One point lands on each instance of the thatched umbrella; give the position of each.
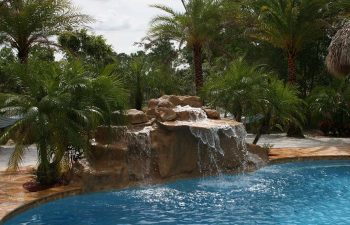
(338, 59)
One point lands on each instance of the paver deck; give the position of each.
(314, 153)
(13, 195)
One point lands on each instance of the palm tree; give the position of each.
(25, 23)
(250, 92)
(291, 24)
(238, 89)
(196, 27)
(58, 108)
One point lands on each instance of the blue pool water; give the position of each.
(294, 193)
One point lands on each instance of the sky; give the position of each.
(122, 22)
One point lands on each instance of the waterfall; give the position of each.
(208, 134)
(139, 145)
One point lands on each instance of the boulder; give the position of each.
(183, 115)
(153, 103)
(110, 135)
(192, 101)
(136, 117)
(212, 114)
(166, 114)
(165, 103)
(151, 113)
(175, 100)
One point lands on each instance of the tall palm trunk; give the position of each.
(292, 68)
(293, 130)
(198, 70)
(23, 54)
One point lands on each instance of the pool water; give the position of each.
(293, 193)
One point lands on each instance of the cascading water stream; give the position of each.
(209, 136)
(139, 142)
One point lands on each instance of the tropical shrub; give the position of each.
(250, 92)
(57, 108)
(331, 106)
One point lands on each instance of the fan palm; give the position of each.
(58, 108)
(24, 23)
(196, 27)
(249, 91)
(291, 24)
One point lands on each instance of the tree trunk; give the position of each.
(293, 130)
(264, 127)
(198, 70)
(23, 54)
(138, 94)
(292, 68)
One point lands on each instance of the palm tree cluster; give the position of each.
(57, 109)
(262, 61)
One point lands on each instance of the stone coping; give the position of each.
(282, 155)
(14, 200)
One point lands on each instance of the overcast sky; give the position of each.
(122, 22)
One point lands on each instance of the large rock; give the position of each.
(192, 101)
(110, 135)
(153, 103)
(182, 140)
(212, 114)
(136, 117)
(171, 101)
(166, 114)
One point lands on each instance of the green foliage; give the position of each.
(196, 27)
(25, 23)
(237, 89)
(292, 24)
(58, 106)
(89, 48)
(331, 102)
(248, 91)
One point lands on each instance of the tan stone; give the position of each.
(151, 113)
(153, 103)
(192, 101)
(110, 135)
(136, 117)
(212, 114)
(175, 100)
(183, 115)
(165, 103)
(166, 114)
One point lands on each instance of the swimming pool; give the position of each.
(292, 193)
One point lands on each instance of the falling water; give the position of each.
(208, 135)
(139, 145)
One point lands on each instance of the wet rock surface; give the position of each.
(182, 140)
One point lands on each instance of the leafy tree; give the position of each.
(57, 109)
(196, 27)
(89, 48)
(26, 23)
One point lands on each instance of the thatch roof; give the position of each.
(338, 59)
